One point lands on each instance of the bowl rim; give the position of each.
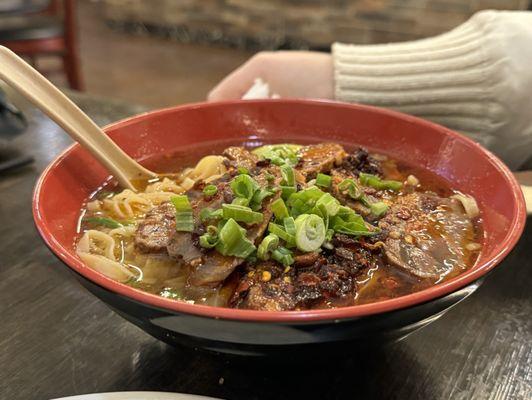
(350, 312)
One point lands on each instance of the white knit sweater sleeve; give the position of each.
(476, 79)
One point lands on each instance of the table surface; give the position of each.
(56, 339)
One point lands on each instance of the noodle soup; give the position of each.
(282, 227)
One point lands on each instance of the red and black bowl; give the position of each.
(466, 166)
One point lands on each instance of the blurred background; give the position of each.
(158, 53)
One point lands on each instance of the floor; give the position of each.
(145, 70)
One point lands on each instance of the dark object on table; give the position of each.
(42, 27)
(12, 121)
(463, 162)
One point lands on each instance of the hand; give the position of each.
(288, 73)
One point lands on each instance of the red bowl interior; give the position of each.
(69, 180)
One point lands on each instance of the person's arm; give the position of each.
(476, 79)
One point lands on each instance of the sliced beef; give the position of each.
(338, 175)
(320, 158)
(328, 281)
(240, 157)
(215, 267)
(182, 245)
(264, 288)
(210, 268)
(156, 230)
(426, 235)
(306, 259)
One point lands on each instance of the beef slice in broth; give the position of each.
(426, 235)
(319, 158)
(214, 267)
(240, 157)
(156, 230)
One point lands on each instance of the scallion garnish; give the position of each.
(310, 232)
(210, 190)
(279, 209)
(279, 154)
(287, 191)
(379, 208)
(184, 222)
(303, 202)
(244, 186)
(232, 240)
(327, 206)
(210, 239)
(351, 188)
(240, 201)
(208, 214)
(289, 177)
(259, 196)
(347, 221)
(380, 184)
(323, 180)
(105, 221)
(268, 244)
(290, 225)
(241, 213)
(269, 177)
(280, 231)
(283, 256)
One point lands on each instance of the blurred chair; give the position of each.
(42, 27)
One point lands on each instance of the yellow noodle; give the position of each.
(109, 268)
(112, 251)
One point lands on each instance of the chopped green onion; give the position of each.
(283, 256)
(304, 201)
(379, 208)
(107, 222)
(243, 171)
(210, 239)
(240, 201)
(310, 232)
(290, 226)
(352, 189)
(280, 231)
(279, 154)
(269, 177)
(244, 186)
(210, 190)
(184, 222)
(259, 197)
(327, 205)
(241, 213)
(323, 180)
(375, 182)
(209, 214)
(289, 177)
(232, 240)
(279, 209)
(287, 191)
(268, 244)
(347, 221)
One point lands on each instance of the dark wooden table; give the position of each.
(58, 340)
